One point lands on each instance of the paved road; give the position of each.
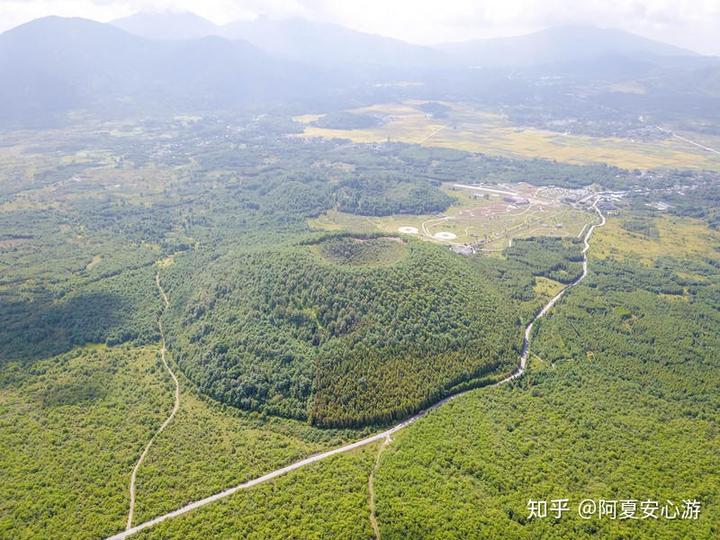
(690, 141)
(385, 435)
(431, 134)
(169, 419)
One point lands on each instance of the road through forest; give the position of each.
(384, 435)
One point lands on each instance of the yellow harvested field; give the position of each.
(307, 118)
(478, 131)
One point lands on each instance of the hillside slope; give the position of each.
(346, 332)
(167, 25)
(559, 45)
(58, 65)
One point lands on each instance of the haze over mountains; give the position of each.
(296, 39)
(562, 44)
(167, 25)
(184, 62)
(59, 64)
(325, 43)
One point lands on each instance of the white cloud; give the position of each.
(690, 23)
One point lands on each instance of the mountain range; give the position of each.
(560, 45)
(315, 42)
(57, 64)
(179, 61)
(296, 39)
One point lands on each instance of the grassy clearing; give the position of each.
(477, 131)
(683, 238)
(547, 288)
(470, 219)
(341, 221)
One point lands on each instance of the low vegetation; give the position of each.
(323, 500)
(472, 130)
(71, 428)
(210, 448)
(362, 251)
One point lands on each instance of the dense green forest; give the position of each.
(279, 332)
(71, 428)
(348, 120)
(324, 500)
(378, 196)
(298, 333)
(553, 258)
(621, 402)
(130, 202)
(212, 447)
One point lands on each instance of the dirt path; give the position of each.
(176, 406)
(432, 220)
(387, 434)
(371, 487)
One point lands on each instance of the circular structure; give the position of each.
(444, 235)
(408, 230)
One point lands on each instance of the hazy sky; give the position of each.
(693, 24)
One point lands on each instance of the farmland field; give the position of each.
(473, 130)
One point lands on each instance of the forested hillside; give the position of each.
(623, 380)
(312, 300)
(621, 402)
(342, 335)
(553, 258)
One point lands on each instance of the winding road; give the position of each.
(382, 436)
(169, 419)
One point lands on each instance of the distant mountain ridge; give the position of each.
(170, 25)
(295, 39)
(56, 65)
(560, 45)
(330, 44)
